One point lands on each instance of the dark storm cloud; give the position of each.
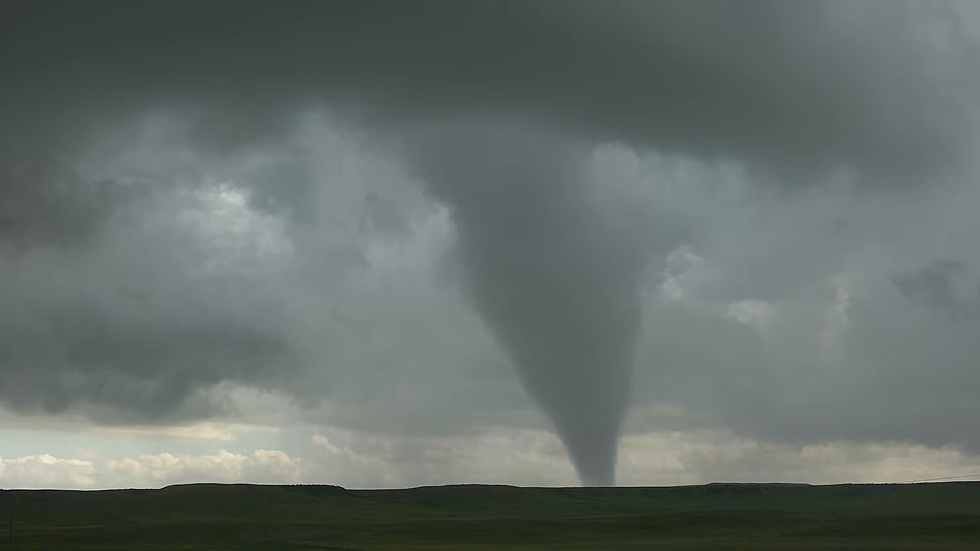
(801, 83)
(140, 338)
(935, 286)
(792, 87)
(880, 347)
(49, 204)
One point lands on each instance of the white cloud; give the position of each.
(206, 431)
(46, 471)
(261, 467)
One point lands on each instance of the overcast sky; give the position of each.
(319, 241)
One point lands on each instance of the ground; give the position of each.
(715, 516)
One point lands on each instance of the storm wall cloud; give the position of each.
(733, 199)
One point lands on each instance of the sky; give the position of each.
(390, 244)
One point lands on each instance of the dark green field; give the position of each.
(716, 516)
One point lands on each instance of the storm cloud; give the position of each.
(809, 83)
(276, 196)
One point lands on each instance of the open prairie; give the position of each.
(714, 516)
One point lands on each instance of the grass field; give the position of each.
(715, 516)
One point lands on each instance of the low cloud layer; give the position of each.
(521, 457)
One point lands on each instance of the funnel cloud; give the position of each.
(553, 276)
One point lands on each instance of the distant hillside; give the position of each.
(713, 516)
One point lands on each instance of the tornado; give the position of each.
(552, 270)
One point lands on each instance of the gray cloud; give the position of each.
(846, 355)
(137, 329)
(812, 83)
(937, 286)
(123, 122)
(50, 205)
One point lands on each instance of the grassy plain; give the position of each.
(714, 516)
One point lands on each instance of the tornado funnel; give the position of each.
(547, 272)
